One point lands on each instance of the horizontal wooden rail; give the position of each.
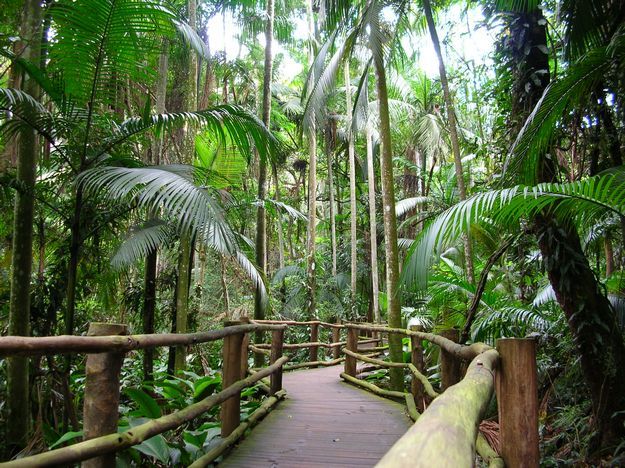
(372, 387)
(447, 430)
(134, 436)
(303, 324)
(65, 344)
(463, 352)
(379, 362)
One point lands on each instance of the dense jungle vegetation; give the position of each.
(173, 164)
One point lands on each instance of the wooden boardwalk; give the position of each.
(323, 422)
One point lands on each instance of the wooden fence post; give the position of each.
(231, 373)
(277, 340)
(336, 337)
(101, 407)
(314, 336)
(451, 366)
(352, 345)
(517, 398)
(416, 358)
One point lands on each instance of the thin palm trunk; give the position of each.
(21, 263)
(453, 130)
(261, 215)
(182, 298)
(151, 261)
(373, 230)
(311, 311)
(186, 244)
(352, 192)
(330, 134)
(390, 225)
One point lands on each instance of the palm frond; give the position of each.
(100, 43)
(163, 187)
(408, 204)
(140, 243)
(227, 124)
(539, 131)
(583, 200)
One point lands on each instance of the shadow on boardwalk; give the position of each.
(324, 422)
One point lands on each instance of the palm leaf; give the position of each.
(539, 131)
(140, 243)
(227, 124)
(165, 187)
(99, 43)
(583, 201)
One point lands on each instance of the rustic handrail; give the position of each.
(119, 441)
(102, 439)
(465, 352)
(65, 344)
(447, 430)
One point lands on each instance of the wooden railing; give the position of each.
(106, 346)
(447, 429)
(333, 347)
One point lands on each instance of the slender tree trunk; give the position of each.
(330, 135)
(311, 311)
(151, 261)
(149, 306)
(18, 398)
(390, 225)
(182, 298)
(453, 129)
(186, 243)
(352, 191)
(373, 230)
(261, 215)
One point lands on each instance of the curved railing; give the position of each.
(447, 429)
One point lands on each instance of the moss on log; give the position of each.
(447, 430)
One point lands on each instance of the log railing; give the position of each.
(106, 346)
(313, 345)
(446, 430)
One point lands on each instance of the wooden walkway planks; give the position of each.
(324, 422)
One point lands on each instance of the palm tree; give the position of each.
(21, 263)
(453, 127)
(261, 218)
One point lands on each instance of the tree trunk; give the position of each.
(390, 226)
(453, 130)
(311, 309)
(149, 306)
(149, 292)
(373, 230)
(330, 139)
(18, 398)
(352, 191)
(182, 298)
(261, 215)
